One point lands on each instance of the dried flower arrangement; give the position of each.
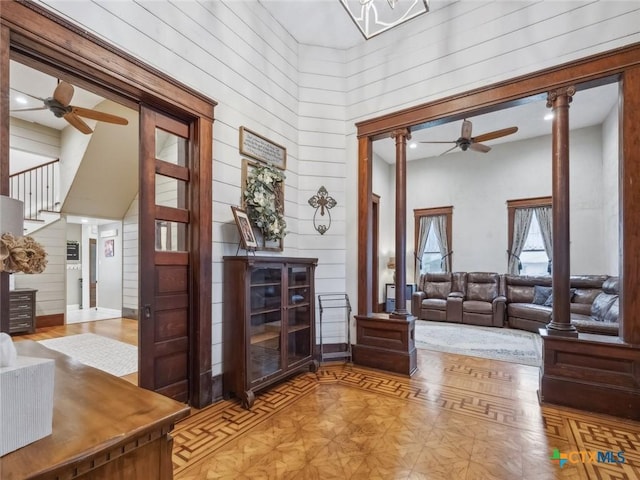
(21, 254)
(263, 197)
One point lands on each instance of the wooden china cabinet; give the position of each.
(269, 322)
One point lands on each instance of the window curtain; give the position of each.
(544, 215)
(521, 224)
(440, 229)
(423, 233)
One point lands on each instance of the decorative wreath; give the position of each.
(21, 254)
(263, 196)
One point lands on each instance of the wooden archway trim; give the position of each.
(37, 37)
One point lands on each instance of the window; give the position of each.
(529, 253)
(433, 253)
(431, 258)
(534, 258)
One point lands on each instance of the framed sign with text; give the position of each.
(259, 148)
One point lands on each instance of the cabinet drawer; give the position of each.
(20, 297)
(20, 307)
(20, 316)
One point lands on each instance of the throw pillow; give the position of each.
(601, 306)
(549, 301)
(541, 294)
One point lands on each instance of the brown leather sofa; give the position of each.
(430, 300)
(603, 318)
(528, 313)
(483, 303)
(473, 298)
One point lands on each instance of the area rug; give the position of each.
(503, 344)
(111, 356)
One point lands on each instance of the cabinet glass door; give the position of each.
(266, 322)
(299, 314)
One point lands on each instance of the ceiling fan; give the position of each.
(59, 105)
(466, 141)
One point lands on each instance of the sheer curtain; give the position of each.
(521, 223)
(544, 215)
(440, 229)
(425, 225)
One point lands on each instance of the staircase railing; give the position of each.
(37, 188)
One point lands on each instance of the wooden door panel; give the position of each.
(165, 331)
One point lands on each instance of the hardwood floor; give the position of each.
(458, 418)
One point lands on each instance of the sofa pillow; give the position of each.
(541, 294)
(549, 301)
(612, 315)
(437, 289)
(601, 306)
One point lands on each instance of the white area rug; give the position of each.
(503, 344)
(111, 356)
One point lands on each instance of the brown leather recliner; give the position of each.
(432, 300)
(483, 302)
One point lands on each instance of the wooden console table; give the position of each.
(104, 428)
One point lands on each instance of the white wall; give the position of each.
(478, 186)
(610, 200)
(130, 261)
(383, 184)
(51, 284)
(74, 268)
(33, 138)
(109, 288)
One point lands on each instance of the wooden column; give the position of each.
(401, 136)
(629, 179)
(365, 226)
(560, 324)
(4, 161)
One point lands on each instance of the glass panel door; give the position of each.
(266, 322)
(299, 315)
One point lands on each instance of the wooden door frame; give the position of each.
(35, 36)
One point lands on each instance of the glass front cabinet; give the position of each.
(269, 322)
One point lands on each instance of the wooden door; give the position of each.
(93, 277)
(165, 287)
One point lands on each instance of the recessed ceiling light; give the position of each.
(413, 145)
(548, 116)
(84, 220)
(21, 100)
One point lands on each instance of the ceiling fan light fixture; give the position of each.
(373, 17)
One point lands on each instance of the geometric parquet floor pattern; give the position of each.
(458, 418)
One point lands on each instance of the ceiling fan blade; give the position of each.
(77, 122)
(452, 141)
(100, 116)
(493, 135)
(63, 93)
(28, 109)
(466, 129)
(27, 94)
(479, 147)
(447, 151)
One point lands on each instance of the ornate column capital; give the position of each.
(562, 92)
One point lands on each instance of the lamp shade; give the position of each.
(11, 216)
(391, 263)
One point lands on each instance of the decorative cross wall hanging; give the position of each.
(322, 202)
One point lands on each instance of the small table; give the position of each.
(104, 428)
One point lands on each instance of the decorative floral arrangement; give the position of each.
(21, 254)
(263, 196)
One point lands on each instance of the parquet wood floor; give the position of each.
(458, 418)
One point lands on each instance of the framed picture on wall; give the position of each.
(109, 248)
(247, 238)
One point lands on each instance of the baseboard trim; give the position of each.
(131, 313)
(54, 320)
